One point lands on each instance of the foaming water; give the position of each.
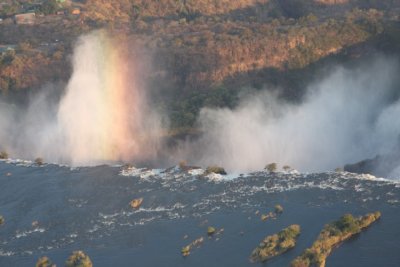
(52, 210)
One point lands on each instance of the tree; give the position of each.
(44, 262)
(78, 258)
(135, 12)
(49, 7)
(272, 167)
(8, 57)
(215, 169)
(3, 155)
(9, 9)
(24, 46)
(286, 168)
(278, 209)
(339, 169)
(39, 161)
(347, 223)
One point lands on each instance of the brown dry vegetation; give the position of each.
(125, 9)
(332, 236)
(78, 259)
(30, 69)
(200, 45)
(44, 262)
(276, 244)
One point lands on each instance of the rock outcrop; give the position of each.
(380, 166)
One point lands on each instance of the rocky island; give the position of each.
(276, 244)
(332, 236)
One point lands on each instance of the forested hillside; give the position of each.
(203, 51)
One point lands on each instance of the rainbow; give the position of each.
(102, 114)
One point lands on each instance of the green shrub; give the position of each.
(276, 244)
(347, 223)
(49, 7)
(127, 166)
(78, 259)
(339, 169)
(278, 209)
(272, 167)
(215, 169)
(3, 155)
(44, 262)
(39, 161)
(211, 230)
(289, 233)
(185, 251)
(286, 168)
(182, 164)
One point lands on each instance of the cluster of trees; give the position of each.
(230, 9)
(224, 50)
(228, 48)
(184, 108)
(175, 8)
(9, 9)
(202, 45)
(76, 259)
(47, 7)
(276, 244)
(27, 68)
(331, 236)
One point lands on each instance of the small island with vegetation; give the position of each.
(44, 262)
(276, 244)
(3, 155)
(215, 169)
(331, 236)
(78, 259)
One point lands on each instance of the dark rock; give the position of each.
(381, 166)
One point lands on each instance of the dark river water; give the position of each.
(88, 209)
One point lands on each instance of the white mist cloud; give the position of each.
(346, 117)
(30, 131)
(103, 116)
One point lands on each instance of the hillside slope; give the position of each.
(202, 45)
